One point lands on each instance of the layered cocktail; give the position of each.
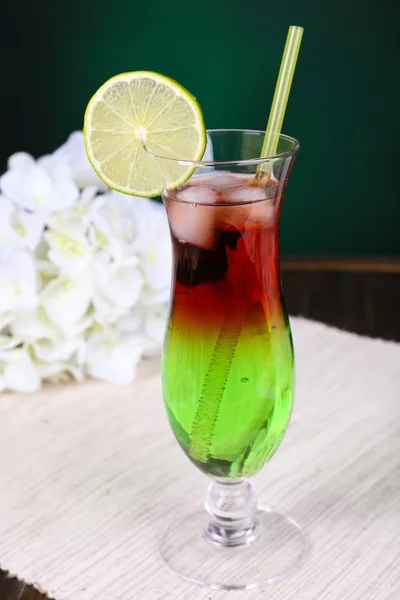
(228, 367)
(228, 364)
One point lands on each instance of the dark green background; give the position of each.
(343, 197)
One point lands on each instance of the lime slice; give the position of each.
(142, 109)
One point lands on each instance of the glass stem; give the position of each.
(232, 506)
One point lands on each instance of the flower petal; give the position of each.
(106, 313)
(113, 357)
(21, 376)
(152, 297)
(14, 353)
(28, 228)
(66, 299)
(8, 343)
(156, 252)
(66, 192)
(154, 325)
(59, 372)
(31, 325)
(5, 319)
(71, 159)
(17, 280)
(34, 189)
(21, 160)
(57, 349)
(7, 233)
(130, 323)
(123, 287)
(69, 254)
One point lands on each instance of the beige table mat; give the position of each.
(90, 475)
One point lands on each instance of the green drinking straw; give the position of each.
(225, 346)
(282, 91)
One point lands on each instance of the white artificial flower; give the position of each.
(151, 297)
(69, 249)
(48, 343)
(21, 160)
(154, 325)
(35, 190)
(46, 270)
(17, 279)
(155, 250)
(117, 287)
(66, 299)
(59, 372)
(84, 275)
(154, 328)
(18, 371)
(143, 208)
(113, 356)
(77, 216)
(101, 266)
(5, 320)
(57, 349)
(150, 322)
(7, 343)
(123, 287)
(70, 160)
(18, 226)
(81, 326)
(7, 234)
(116, 226)
(105, 312)
(130, 323)
(31, 325)
(28, 228)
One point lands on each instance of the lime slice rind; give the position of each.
(134, 110)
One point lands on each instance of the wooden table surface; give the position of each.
(359, 295)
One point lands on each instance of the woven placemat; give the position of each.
(90, 475)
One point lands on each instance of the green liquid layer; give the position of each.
(231, 418)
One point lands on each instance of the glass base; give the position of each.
(277, 549)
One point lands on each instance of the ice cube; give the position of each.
(247, 193)
(249, 205)
(192, 219)
(269, 184)
(221, 179)
(264, 212)
(196, 194)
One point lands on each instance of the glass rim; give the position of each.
(245, 162)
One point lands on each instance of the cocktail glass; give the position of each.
(228, 362)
